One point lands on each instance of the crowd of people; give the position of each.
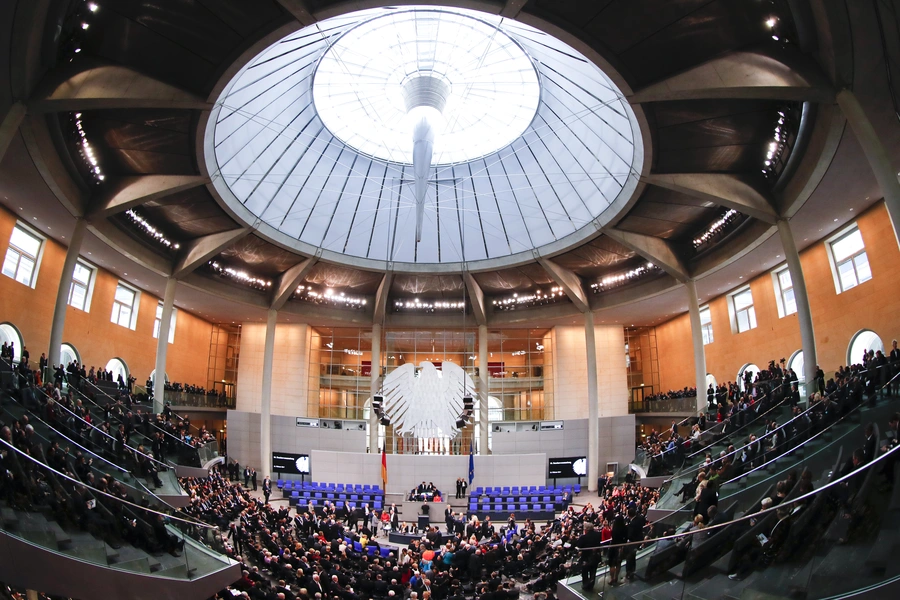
(686, 392)
(321, 554)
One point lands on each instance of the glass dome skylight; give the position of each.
(488, 94)
(419, 138)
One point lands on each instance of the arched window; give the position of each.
(118, 367)
(863, 341)
(752, 369)
(711, 381)
(795, 362)
(68, 353)
(9, 334)
(153, 377)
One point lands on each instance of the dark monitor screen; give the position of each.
(284, 462)
(572, 466)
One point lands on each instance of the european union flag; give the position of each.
(471, 462)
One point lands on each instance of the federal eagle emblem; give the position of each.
(426, 403)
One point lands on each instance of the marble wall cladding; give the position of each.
(570, 371)
(290, 368)
(244, 444)
(406, 471)
(617, 440)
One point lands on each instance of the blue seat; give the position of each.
(376, 488)
(506, 491)
(548, 508)
(330, 495)
(515, 491)
(280, 483)
(523, 507)
(370, 550)
(537, 507)
(533, 488)
(340, 487)
(367, 498)
(357, 547)
(340, 504)
(318, 494)
(577, 488)
(367, 487)
(385, 552)
(354, 497)
(478, 491)
(511, 507)
(545, 499)
(377, 505)
(473, 507)
(342, 496)
(295, 494)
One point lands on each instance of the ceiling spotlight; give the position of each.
(770, 22)
(92, 7)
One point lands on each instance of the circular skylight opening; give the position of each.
(481, 84)
(423, 138)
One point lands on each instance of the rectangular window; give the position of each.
(21, 258)
(848, 253)
(784, 293)
(706, 325)
(744, 314)
(80, 288)
(158, 322)
(125, 305)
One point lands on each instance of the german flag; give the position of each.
(384, 468)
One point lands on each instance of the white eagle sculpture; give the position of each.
(429, 403)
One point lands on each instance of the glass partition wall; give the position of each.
(518, 365)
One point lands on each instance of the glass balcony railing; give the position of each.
(53, 510)
(668, 405)
(185, 399)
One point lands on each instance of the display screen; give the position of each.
(284, 462)
(573, 466)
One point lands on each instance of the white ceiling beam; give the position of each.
(731, 191)
(199, 251)
(657, 250)
(743, 75)
(289, 281)
(300, 11)
(569, 282)
(476, 298)
(94, 85)
(381, 297)
(128, 192)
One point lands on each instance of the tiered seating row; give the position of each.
(533, 490)
(352, 495)
(521, 499)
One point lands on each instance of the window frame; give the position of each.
(116, 316)
(735, 314)
(89, 288)
(706, 328)
(35, 269)
(157, 322)
(835, 265)
(780, 291)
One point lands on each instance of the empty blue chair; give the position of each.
(357, 547)
(280, 483)
(340, 504)
(506, 491)
(515, 491)
(330, 495)
(342, 496)
(340, 487)
(367, 498)
(523, 507)
(317, 494)
(533, 489)
(295, 494)
(545, 499)
(548, 507)
(378, 505)
(473, 507)
(385, 552)
(537, 507)
(479, 490)
(577, 488)
(367, 487)
(511, 507)
(370, 550)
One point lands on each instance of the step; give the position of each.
(139, 565)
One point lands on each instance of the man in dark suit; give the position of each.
(267, 488)
(589, 544)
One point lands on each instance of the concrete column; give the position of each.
(375, 386)
(62, 294)
(879, 159)
(590, 345)
(485, 380)
(265, 408)
(804, 316)
(697, 338)
(162, 345)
